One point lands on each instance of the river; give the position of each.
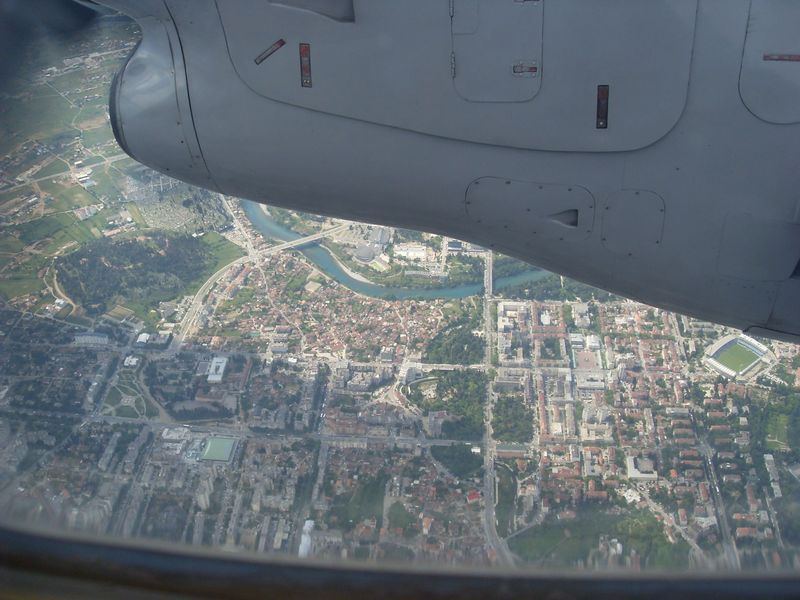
(325, 262)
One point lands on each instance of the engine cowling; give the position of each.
(150, 109)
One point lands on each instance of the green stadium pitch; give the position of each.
(219, 449)
(736, 357)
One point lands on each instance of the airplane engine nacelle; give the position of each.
(649, 149)
(150, 110)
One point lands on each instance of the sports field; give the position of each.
(736, 357)
(219, 449)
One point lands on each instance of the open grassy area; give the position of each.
(562, 544)
(39, 229)
(9, 244)
(78, 232)
(458, 459)
(56, 167)
(40, 115)
(225, 252)
(19, 285)
(127, 412)
(23, 278)
(736, 357)
(365, 502)
(97, 136)
(68, 196)
(114, 396)
(777, 431)
(136, 214)
(506, 495)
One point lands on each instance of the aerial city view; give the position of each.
(190, 368)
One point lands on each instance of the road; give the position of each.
(498, 545)
(656, 508)
(106, 161)
(305, 240)
(728, 543)
(190, 318)
(233, 431)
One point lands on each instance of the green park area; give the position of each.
(777, 431)
(169, 266)
(126, 399)
(459, 459)
(462, 394)
(22, 278)
(364, 502)
(512, 421)
(736, 357)
(457, 343)
(506, 499)
(569, 543)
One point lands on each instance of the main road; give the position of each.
(728, 543)
(495, 542)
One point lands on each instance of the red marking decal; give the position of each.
(270, 51)
(305, 65)
(782, 57)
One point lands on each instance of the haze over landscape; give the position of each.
(187, 367)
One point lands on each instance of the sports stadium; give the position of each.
(736, 356)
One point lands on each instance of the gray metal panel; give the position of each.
(786, 312)
(758, 249)
(544, 211)
(393, 67)
(770, 79)
(151, 105)
(490, 39)
(734, 296)
(633, 222)
(465, 17)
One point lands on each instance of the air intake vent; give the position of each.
(567, 218)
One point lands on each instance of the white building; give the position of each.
(411, 251)
(593, 342)
(217, 369)
(641, 469)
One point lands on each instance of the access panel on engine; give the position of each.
(497, 49)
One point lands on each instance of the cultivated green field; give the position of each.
(736, 357)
